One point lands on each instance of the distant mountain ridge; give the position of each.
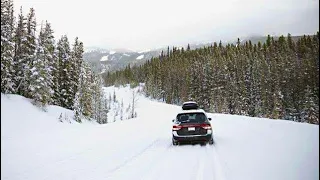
(102, 60)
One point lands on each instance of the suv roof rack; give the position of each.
(190, 105)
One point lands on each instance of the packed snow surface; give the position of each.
(35, 145)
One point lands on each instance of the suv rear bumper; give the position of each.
(192, 138)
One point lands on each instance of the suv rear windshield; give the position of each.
(192, 118)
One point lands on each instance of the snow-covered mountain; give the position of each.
(103, 60)
(35, 145)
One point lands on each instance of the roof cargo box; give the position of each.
(189, 105)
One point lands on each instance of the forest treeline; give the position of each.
(276, 79)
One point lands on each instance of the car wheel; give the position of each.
(175, 143)
(211, 141)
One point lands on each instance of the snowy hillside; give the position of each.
(109, 60)
(36, 146)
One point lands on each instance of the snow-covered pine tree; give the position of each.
(7, 46)
(55, 71)
(40, 77)
(69, 73)
(104, 110)
(310, 111)
(53, 63)
(207, 84)
(103, 105)
(31, 50)
(231, 86)
(78, 80)
(195, 83)
(255, 108)
(150, 87)
(65, 77)
(247, 104)
(50, 55)
(96, 104)
(87, 91)
(58, 73)
(21, 64)
(77, 59)
(98, 100)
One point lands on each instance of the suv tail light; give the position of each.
(176, 127)
(206, 126)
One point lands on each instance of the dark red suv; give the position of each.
(192, 125)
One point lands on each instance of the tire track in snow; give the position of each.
(156, 160)
(147, 158)
(156, 163)
(158, 144)
(73, 172)
(218, 173)
(209, 166)
(135, 156)
(132, 157)
(201, 167)
(180, 162)
(210, 159)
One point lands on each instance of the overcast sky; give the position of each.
(147, 24)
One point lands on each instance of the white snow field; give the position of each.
(36, 146)
(104, 58)
(140, 57)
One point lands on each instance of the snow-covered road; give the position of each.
(141, 149)
(35, 146)
(132, 149)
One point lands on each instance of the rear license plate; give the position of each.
(191, 128)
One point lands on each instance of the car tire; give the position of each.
(211, 141)
(175, 143)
